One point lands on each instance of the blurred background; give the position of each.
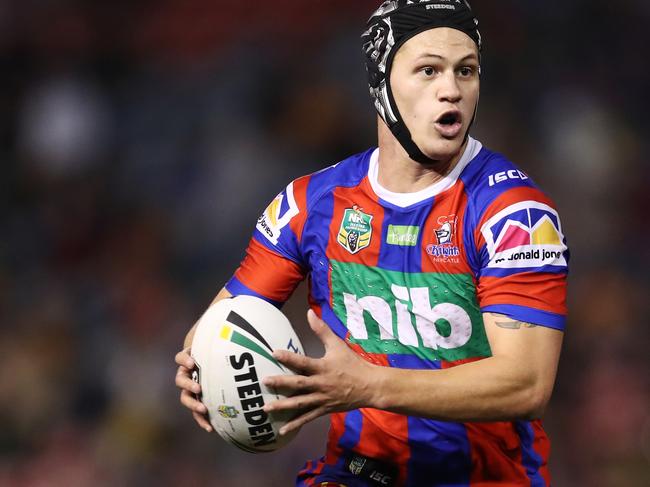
(139, 141)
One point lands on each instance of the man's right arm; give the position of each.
(223, 294)
(271, 270)
(189, 388)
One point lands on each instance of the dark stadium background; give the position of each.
(139, 141)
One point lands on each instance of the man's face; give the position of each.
(435, 82)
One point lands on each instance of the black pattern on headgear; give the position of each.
(390, 26)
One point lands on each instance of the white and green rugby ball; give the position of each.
(232, 348)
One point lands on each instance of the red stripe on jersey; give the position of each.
(333, 454)
(300, 196)
(373, 358)
(543, 291)
(337, 428)
(445, 211)
(346, 198)
(384, 436)
(507, 198)
(444, 364)
(495, 450)
(311, 470)
(542, 446)
(280, 276)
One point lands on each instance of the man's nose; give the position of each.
(449, 89)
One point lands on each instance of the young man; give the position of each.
(437, 277)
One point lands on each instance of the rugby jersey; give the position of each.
(403, 279)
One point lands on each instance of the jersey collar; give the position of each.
(407, 199)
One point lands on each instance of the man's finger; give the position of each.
(297, 363)
(324, 332)
(192, 403)
(289, 383)
(184, 381)
(202, 422)
(184, 359)
(296, 403)
(301, 420)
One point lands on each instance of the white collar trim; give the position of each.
(407, 199)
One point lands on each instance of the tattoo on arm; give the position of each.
(504, 322)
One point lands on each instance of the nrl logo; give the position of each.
(356, 230)
(356, 465)
(228, 412)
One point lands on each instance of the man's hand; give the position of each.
(339, 381)
(190, 389)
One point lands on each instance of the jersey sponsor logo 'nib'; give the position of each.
(422, 314)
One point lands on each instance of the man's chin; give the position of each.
(443, 150)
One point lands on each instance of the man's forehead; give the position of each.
(442, 42)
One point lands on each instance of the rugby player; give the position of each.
(437, 280)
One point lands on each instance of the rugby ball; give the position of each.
(232, 348)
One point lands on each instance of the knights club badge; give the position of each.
(356, 230)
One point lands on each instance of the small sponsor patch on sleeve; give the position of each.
(527, 234)
(278, 215)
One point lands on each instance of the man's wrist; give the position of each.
(376, 386)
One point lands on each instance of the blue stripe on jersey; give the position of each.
(352, 424)
(404, 361)
(352, 433)
(315, 237)
(287, 240)
(347, 173)
(403, 258)
(335, 324)
(529, 315)
(236, 288)
(314, 247)
(529, 457)
(440, 454)
(476, 178)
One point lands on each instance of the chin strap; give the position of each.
(403, 136)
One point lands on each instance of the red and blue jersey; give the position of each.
(404, 280)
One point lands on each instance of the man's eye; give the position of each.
(428, 71)
(466, 71)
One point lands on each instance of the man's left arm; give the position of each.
(514, 383)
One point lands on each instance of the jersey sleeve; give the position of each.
(523, 258)
(273, 265)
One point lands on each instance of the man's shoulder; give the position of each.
(347, 173)
(496, 185)
(493, 173)
(491, 176)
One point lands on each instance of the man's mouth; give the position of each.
(449, 123)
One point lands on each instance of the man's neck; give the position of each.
(399, 173)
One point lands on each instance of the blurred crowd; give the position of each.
(139, 141)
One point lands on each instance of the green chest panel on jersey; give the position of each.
(431, 315)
